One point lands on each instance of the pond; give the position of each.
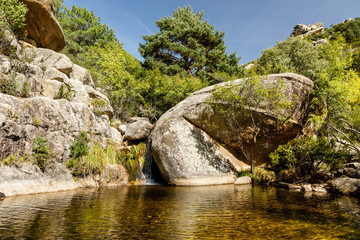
(162, 212)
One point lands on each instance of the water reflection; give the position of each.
(159, 212)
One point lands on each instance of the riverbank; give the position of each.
(30, 179)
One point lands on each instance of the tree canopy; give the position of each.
(187, 43)
(82, 29)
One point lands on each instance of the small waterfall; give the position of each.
(150, 169)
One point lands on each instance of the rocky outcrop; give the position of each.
(188, 141)
(306, 30)
(42, 26)
(45, 94)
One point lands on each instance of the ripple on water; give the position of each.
(159, 212)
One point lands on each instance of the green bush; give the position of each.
(41, 152)
(80, 147)
(8, 85)
(25, 90)
(133, 160)
(64, 92)
(93, 162)
(302, 158)
(12, 13)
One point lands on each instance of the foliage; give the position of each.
(133, 160)
(25, 90)
(12, 13)
(187, 43)
(247, 105)
(8, 85)
(162, 92)
(82, 29)
(93, 162)
(36, 121)
(303, 157)
(64, 92)
(79, 147)
(114, 70)
(41, 152)
(293, 55)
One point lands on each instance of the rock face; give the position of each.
(187, 140)
(306, 30)
(42, 26)
(47, 95)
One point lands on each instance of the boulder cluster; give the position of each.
(306, 30)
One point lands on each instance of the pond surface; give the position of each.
(160, 212)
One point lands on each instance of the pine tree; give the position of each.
(187, 43)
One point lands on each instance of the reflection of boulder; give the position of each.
(42, 26)
(188, 141)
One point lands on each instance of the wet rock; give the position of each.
(345, 186)
(243, 180)
(42, 26)
(287, 186)
(2, 196)
(307, 188)
(319, 188)
(189, 150)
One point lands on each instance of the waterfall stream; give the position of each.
(150, 169)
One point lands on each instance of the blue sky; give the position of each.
(250, 26)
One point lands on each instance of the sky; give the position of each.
(250, 26)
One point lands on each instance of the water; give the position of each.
(160, 212)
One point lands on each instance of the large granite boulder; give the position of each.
(42, 26)
(192, 145)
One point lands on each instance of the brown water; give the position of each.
(159, 212)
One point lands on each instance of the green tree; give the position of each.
(293, 55)
(82, 29)
(115, 72)
(162, 92)
(187, 43)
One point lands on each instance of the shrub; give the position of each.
(12, 13)
(80, 146)
(303, 157)
(36, 121)
(25, 90)
(64, 92)
(133, 160)
(8, 85)
(41, 152)
(93, 162)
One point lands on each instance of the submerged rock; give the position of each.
(243, 180)
(189, 139)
